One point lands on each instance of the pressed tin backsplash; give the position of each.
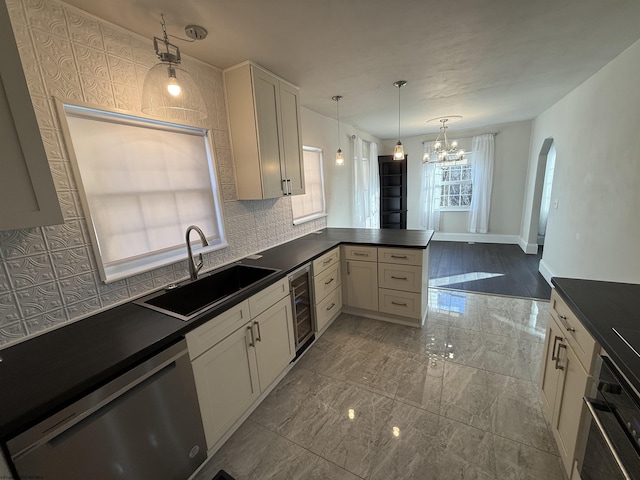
(48, 275)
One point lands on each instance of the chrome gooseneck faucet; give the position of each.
(194, 267)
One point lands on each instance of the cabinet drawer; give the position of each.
(327, 281)
(407, 278)
(215, 330)
(365, 254)
(402, 256)
(262, 300)
(328, 309)
(577, 336)
(406, 304)
(326, 261)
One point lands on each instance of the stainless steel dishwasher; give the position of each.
(144, 424)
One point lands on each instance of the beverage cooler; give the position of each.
(302, 302)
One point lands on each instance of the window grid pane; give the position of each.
(457, 187)
(312, 203)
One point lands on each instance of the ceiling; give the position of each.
(491, 61)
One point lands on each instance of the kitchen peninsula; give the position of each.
(49, 372)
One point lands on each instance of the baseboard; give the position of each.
(476, 237)
(545, 271)
(528, 248)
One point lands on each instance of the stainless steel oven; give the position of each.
(611, 432)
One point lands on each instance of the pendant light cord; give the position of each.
(399, 87)
(338, 112)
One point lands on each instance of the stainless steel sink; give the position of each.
(190, 299)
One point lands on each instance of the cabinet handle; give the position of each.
(558, 366)
(331, 306)
(399, 304)
(285, 189)
(259, 338)
(398, 278)
(553, 352)
(289, 188)
(348, 269)
(328, 281)
(563, 317)
(571, 329)
(252, 343)
(398, 256)
(327, 261)
(360, 254)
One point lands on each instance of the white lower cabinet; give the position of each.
(327, 288)
(328, 308)
(566, 370)
(274, 342)
(361, 283)
(227, 383)
(236, 357)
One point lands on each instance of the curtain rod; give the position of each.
(490, 133)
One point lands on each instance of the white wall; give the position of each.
(322, 132)
(594, 232)
(510, 171)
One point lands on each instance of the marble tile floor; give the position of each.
(374, 400)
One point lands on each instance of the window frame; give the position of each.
(449, 183)
(134, 265)
(315, 215)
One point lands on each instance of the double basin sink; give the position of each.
(187, 300)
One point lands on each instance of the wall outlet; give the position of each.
(555, 204)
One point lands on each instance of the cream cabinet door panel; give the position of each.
(274, 340)
(326, 282)
(267, 297)
(407, 278)
(291, 138)
(569, 406)
(27, 194)
(328, 309)
(362, 284)
(356, 252)
(267, 99)
(227, 383)
(550, 374)
(406, 304)
(325, 261)
(403, 256)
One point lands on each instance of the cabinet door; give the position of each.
(27, 195)
(275, 345)
(267, 97)
(291, 138)
(362, 284)
(569, 405)
(227, 383)
(550, 375)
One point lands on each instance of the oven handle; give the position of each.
(607, 440)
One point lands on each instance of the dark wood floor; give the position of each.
(487, 268)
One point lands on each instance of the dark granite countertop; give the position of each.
(602, 306)
(46, 373)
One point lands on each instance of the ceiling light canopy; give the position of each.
(443, 150)
(169, 91)
(339, 156)
(398, 152)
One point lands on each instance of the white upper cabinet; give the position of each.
(264, 119)
(27, 194)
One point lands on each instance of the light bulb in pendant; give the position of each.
(339, 158)
(398, 152)
(173, 87)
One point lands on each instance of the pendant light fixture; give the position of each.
(339, 156)
(443, 150)
(398, 152)
(169, 91)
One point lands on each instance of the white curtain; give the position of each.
(430, 191)
(366, 184)
(374, 183)
(482, 173)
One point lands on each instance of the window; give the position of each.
(457, 186)
(311, 205)
(142, 183)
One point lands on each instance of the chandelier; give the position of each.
(443, 150)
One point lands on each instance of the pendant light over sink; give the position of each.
(398, 152)
(339, 156)
(169, 91)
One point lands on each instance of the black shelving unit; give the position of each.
(393, 192)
